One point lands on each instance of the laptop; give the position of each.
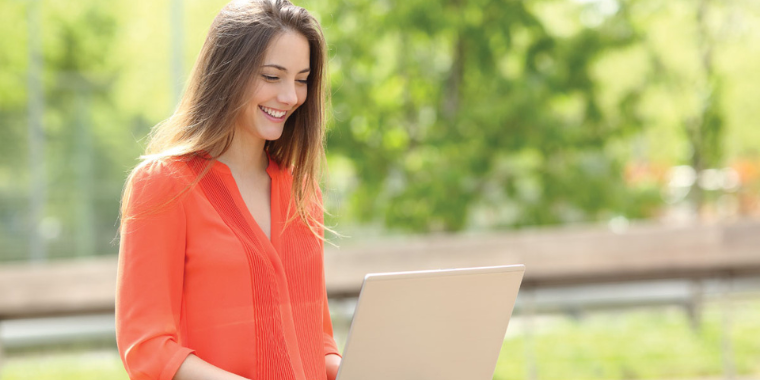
(446, 324)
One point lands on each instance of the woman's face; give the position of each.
(279, 87)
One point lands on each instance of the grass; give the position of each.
(74, 365)
(645, 344)
(657, 343)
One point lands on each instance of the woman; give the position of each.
(220, 264)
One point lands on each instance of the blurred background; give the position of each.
(611, 145)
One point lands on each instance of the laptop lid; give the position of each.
(438, 325)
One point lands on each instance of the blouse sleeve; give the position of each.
(330, 346)
(150, 276)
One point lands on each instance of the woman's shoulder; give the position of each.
(155, 187)
(162, 172)
(158, 182)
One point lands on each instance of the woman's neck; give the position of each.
(246, 155)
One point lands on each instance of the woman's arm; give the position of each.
(332, 363)
(150, 276)
(195, 368)
(332, 355)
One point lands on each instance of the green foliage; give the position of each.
(79, 70)
(642, 344)
(446, 115)
(436, 104)
(655, 343)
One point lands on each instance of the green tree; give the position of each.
(78, 71)
(457, 110)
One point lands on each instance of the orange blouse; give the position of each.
(198, 275)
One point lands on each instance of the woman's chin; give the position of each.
(272, 135)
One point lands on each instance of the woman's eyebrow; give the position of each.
(306, 70)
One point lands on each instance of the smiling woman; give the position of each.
(279, 90)
(220, 259)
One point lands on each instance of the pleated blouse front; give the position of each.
(198, 275)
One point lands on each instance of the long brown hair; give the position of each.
(204, 123)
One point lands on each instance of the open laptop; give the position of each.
(430, 325)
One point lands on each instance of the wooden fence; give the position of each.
(553, 257)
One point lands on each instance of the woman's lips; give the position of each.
(273, 118)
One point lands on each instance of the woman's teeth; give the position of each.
(273, 113)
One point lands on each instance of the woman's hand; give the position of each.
(332, 363)
(195, 368)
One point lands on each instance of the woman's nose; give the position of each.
(288, 94)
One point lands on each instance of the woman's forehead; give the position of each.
(288, 52)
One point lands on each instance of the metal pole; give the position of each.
(694, 306)
(177, 42)
(726, 346)
(85, 235)
(530, 349)
(36, 107)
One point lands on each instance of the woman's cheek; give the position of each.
(302, 96)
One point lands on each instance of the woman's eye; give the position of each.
(270, 78)
(303, 81)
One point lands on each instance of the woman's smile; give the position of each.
(274, 114)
